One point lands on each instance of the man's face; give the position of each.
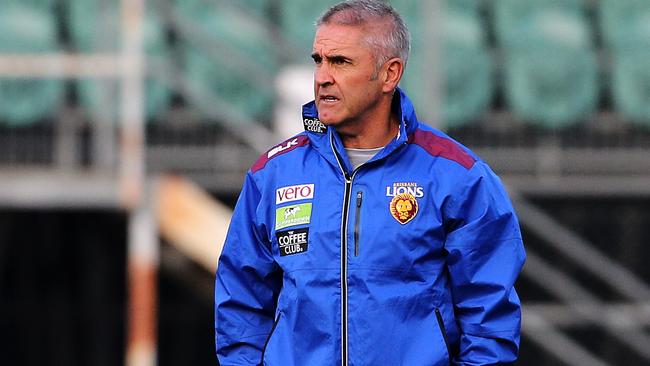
(346, 86)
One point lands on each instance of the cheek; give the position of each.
(357, 86)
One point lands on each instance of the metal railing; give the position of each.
(544, 324)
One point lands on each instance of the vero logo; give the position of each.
(294, 193)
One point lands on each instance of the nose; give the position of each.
(322, 75)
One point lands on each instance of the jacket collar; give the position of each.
(328, 142)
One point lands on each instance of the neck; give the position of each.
(373, 132)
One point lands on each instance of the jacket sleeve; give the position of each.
(485, 256)
(247, 285)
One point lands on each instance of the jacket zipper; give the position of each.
(344, 246)
(357, 219)
(344, 270)
(275, 324)
(344, 260)
(443, 330)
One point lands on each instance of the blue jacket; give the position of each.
(409, 260)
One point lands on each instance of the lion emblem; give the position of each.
(404, 207)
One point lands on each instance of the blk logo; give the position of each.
(281, 148)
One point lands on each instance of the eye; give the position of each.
(338, 60)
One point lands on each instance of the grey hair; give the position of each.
(395, 41)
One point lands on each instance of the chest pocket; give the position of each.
(395, 230)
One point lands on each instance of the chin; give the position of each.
(328, 119)
(331, 121)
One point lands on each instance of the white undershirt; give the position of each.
(360, 156)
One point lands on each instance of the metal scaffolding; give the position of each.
(544, 324)
(123, 188)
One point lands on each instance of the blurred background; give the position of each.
(126, 128)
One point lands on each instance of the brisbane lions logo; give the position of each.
(404, 207)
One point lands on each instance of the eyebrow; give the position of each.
(331, 58)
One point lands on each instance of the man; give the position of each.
(370, 238)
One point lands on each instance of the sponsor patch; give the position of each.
(293, 241)
(313, 125)
(404, 204)
(292, 215)
(404, 207)
(294, 193)
(402, 188)
(280, 148)
(283, 148)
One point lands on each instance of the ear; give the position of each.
(393, 70)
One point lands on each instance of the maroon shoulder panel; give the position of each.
(442, 147)
(278, 150)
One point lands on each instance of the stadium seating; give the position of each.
(39, 5)
(95, 27)
(470, 7)
(256, 8)
(26, 30)
(218, 68)
(518, 22)
(468, 85)
(226, 81)
(467, 67)
(550, 69)
(555, 91)
(631, 85)
(412, 81)
(625, 23)
(625, 26)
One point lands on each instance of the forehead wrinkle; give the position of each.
(343, 46)
(333, 45)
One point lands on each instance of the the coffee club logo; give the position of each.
(404, 205)
(292, 215)
(313, 125)
(293, 241)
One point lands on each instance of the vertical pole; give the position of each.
(66, 143)
(143, 246)
(143, 260)
(132, 99)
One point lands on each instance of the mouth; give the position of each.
(328, 98)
